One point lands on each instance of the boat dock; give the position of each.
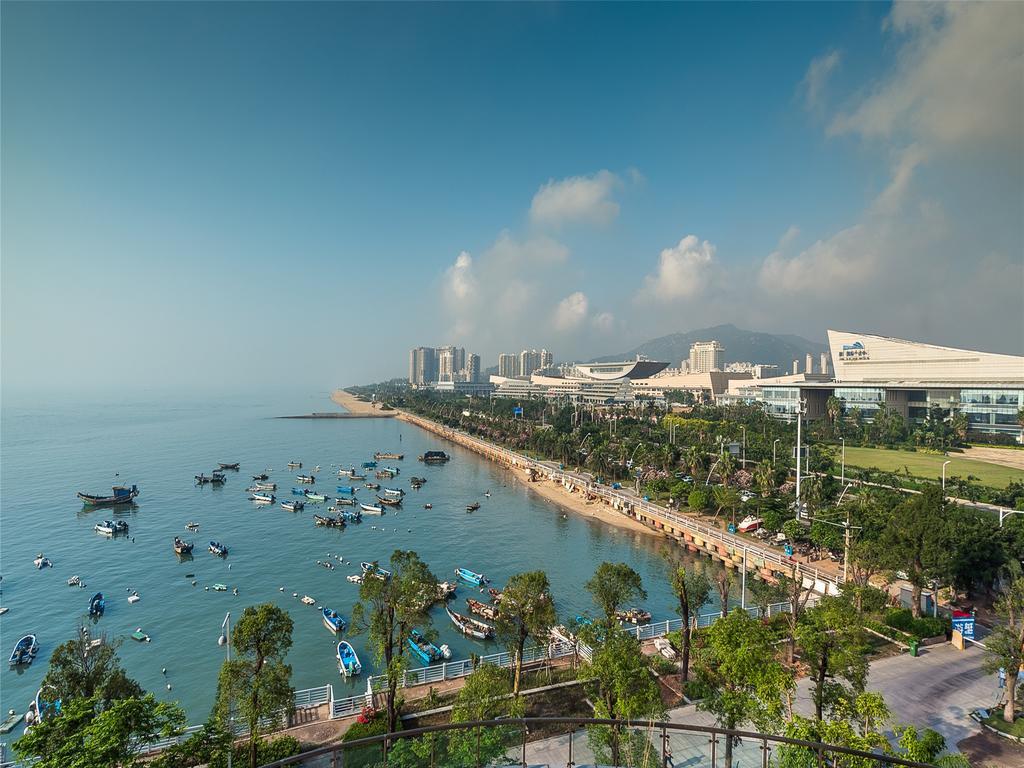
(336, 415)
(750, 555)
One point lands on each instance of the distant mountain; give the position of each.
(740, 346)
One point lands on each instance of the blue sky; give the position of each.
(246, 194)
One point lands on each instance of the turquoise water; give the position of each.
(48, 453)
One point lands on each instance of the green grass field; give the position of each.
(929, 465)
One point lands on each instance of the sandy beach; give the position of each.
(356, 406)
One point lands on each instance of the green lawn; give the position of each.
(995, 719)
(929, 465)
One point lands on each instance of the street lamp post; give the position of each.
(225, 640)
(744, 460)
(799, 421)
(775, 443)
(947, 461)
(1005, 513)
(842, 472)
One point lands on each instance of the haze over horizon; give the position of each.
(217, 196)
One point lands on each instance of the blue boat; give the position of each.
(469, 576)
(352, 516)
(24, 651)
(97, 605)
(218, 549)
(348, 662)
(425, 650)
(333, 620)
(369, 464)
(298, 491)
(346, 489)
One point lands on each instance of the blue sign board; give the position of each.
(517, 411)
(964, 624)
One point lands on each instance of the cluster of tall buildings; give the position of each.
(430, 365)
(525, 363)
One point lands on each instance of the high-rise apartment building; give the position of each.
(472, 369)
(508, 365)
(824, 363)
(547, 359)
(809, 363)
(422, 366)
(706, 356)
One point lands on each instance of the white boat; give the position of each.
(134, 597)
(262, 498)
(42, 562)
(74, 581)
(307, 600)
(370, 509)
(394, 492)
(355, 578)
(749, 524)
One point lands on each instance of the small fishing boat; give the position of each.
(372, 569)
(24, 651)
(216, 478)
(41, 562)
(346, 472)
(134, 598)
(355, 578)
(111, 527)
(435, 457)
(219, 587)
(369, 464)
(372, 486)
(311, 496)
(307, 600)
(44, 707)
(226, 465)
(495, 595)
(428, 506)
(387, 501)
(345, 502)
(266, 486)
(219, 549)
(370, 509)
(473, 578)
(261, 476)
(417, 480)
(394, 492)
(121, 494)
(473, 507)
(357, 476)
(352, 516)
(469, 626)
(182, 547)
(425, 649)
(12, 719)
(333, 620)
(749, 524)
(487, 494)
(348, 662)
(633, 616)
(393, 471)
(292, 506)
(386, 455)
(74, 581)
(482, 609)
(298, 491)
(329, 522)
(294, 465)
(349, 489)
(191, 525)
(306, 479)
(139, 636)
(97, 605)
(263, 498)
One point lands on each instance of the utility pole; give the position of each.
(744, 428)
(775, 443)
(799, 420)
(842, 472)
(944, 475)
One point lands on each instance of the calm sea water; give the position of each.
(50, 452)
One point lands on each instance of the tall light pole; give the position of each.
(225, 640)
(944, 474)
(744, 428)
(799, 421)
(842, 472)
(775, 443)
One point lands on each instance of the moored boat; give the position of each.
(111, 527)
(372, 569)
(307, 600)
(182, 547)
(24, 651)
(228, 465)
(388, 501)
(263, 498)
(394, 492)
(434, 457)
(482, 609)
(41, 561)
(352, 516)
(749, 524)
(388, 455)
(369, 464)
(97, 605)
(348, 661)
(372, 486)
(426, 650)
(292, 506)
(216, 478)
(191, 525)
(261, 476)
(473, 507)
(333, 620)
(473, 578)
(370, 509)
(329, 522)
(345, 502)
(122, 494)
(266, 486)
(312, 496)
(298, 491)
(349, 489)
(469, 626)
(74, 581)
(306, 479)
(294, 465)
(217, 548)
(357, 476)
(633, 615)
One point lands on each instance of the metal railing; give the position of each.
(661, 742)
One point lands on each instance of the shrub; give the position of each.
(926, 626)
(698, 499)
(266, 752)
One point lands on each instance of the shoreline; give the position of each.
(358, 408)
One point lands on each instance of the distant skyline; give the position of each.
(203, 196)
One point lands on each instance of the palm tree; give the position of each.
(694, 459)
(764, 475)
(834, 411)
(726, 468)
(726, 498)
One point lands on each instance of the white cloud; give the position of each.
(460, 283)
(571, 311)
(603, 321)
(817, 76)
(534, 251)
(958, 77)
(684, 270)
(848, 258)
(576, 199)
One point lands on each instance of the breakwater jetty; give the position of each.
(751, 556)
(336, 415)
